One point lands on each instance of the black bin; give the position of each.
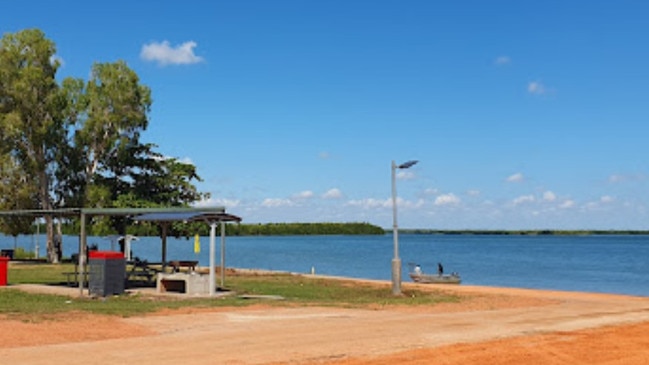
(106, 270)
(7, 253)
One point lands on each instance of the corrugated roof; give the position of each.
(186, 217)
(109, 211)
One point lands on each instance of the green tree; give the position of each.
(148, 179)
(31, 124)
(15, 194)
(108, 114)
(79, 142)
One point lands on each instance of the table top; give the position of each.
(183, 263)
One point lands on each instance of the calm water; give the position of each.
(609, 264)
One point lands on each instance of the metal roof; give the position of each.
(108, 211)
(187, 217)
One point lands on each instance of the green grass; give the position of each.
(314, 291)
(297, 290)
(38, 273)
(19, 304)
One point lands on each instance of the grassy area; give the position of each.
(297, 290)
(38, 273)
(306, 290)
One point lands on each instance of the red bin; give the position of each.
(4, 264)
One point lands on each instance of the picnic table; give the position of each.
(177, 264)
(72, 277)
(138, 271)
(142, 271)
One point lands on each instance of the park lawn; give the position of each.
(294, 289)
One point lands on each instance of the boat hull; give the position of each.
(435, 279)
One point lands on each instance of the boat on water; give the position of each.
(418, 276)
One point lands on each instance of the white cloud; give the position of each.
(431, 191)
(324, 155)
(307, 194)
(333, 194)
(517, 177)
(606, 199)
(371, 203)
(536, 88)
(616, 179)
(473, 192)
(228, 203)
(567, 204)
(524, 199)
(613, 179)
(549, 196)
(502, 60)
(186, 160)
(446, 199)
(56, 58)
(387, 203)
(405, 175)
(275, 203)
(164, 54)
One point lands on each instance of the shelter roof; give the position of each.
(187, 217)
(111, 211)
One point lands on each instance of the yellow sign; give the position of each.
(197, 244)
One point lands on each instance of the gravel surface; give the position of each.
(490, 326)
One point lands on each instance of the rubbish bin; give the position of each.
(106, 271)
(4, 264)
(7, 253)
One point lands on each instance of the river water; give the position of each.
(607, 264)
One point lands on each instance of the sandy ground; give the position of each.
(490, 326)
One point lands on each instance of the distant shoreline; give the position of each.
(543, 232)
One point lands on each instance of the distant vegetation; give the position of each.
(272, 229)
(267, 229)
(354, 228)
(544, 232)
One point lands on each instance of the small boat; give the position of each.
(418, 276)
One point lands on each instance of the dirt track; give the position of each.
(492, 326)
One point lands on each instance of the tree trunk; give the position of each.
(52, 254)
(58, 241)
(52, 257)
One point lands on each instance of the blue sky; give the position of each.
(523, 114)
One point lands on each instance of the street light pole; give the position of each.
(396, 261)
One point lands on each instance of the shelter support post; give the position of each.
(222, 254)
(163, 227)
(212, 285)
(82, 252)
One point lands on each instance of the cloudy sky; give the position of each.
(522, 114)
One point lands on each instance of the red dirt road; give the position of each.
(491, 326)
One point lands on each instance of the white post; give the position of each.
(222, 254)
(212, 258)
(83, 249)
(38, 233)
(127, 246)
(396, 261)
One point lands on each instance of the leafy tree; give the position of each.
(107, 114)
(148, 179)
(15, 194)
(79, 142)
(31, 125)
